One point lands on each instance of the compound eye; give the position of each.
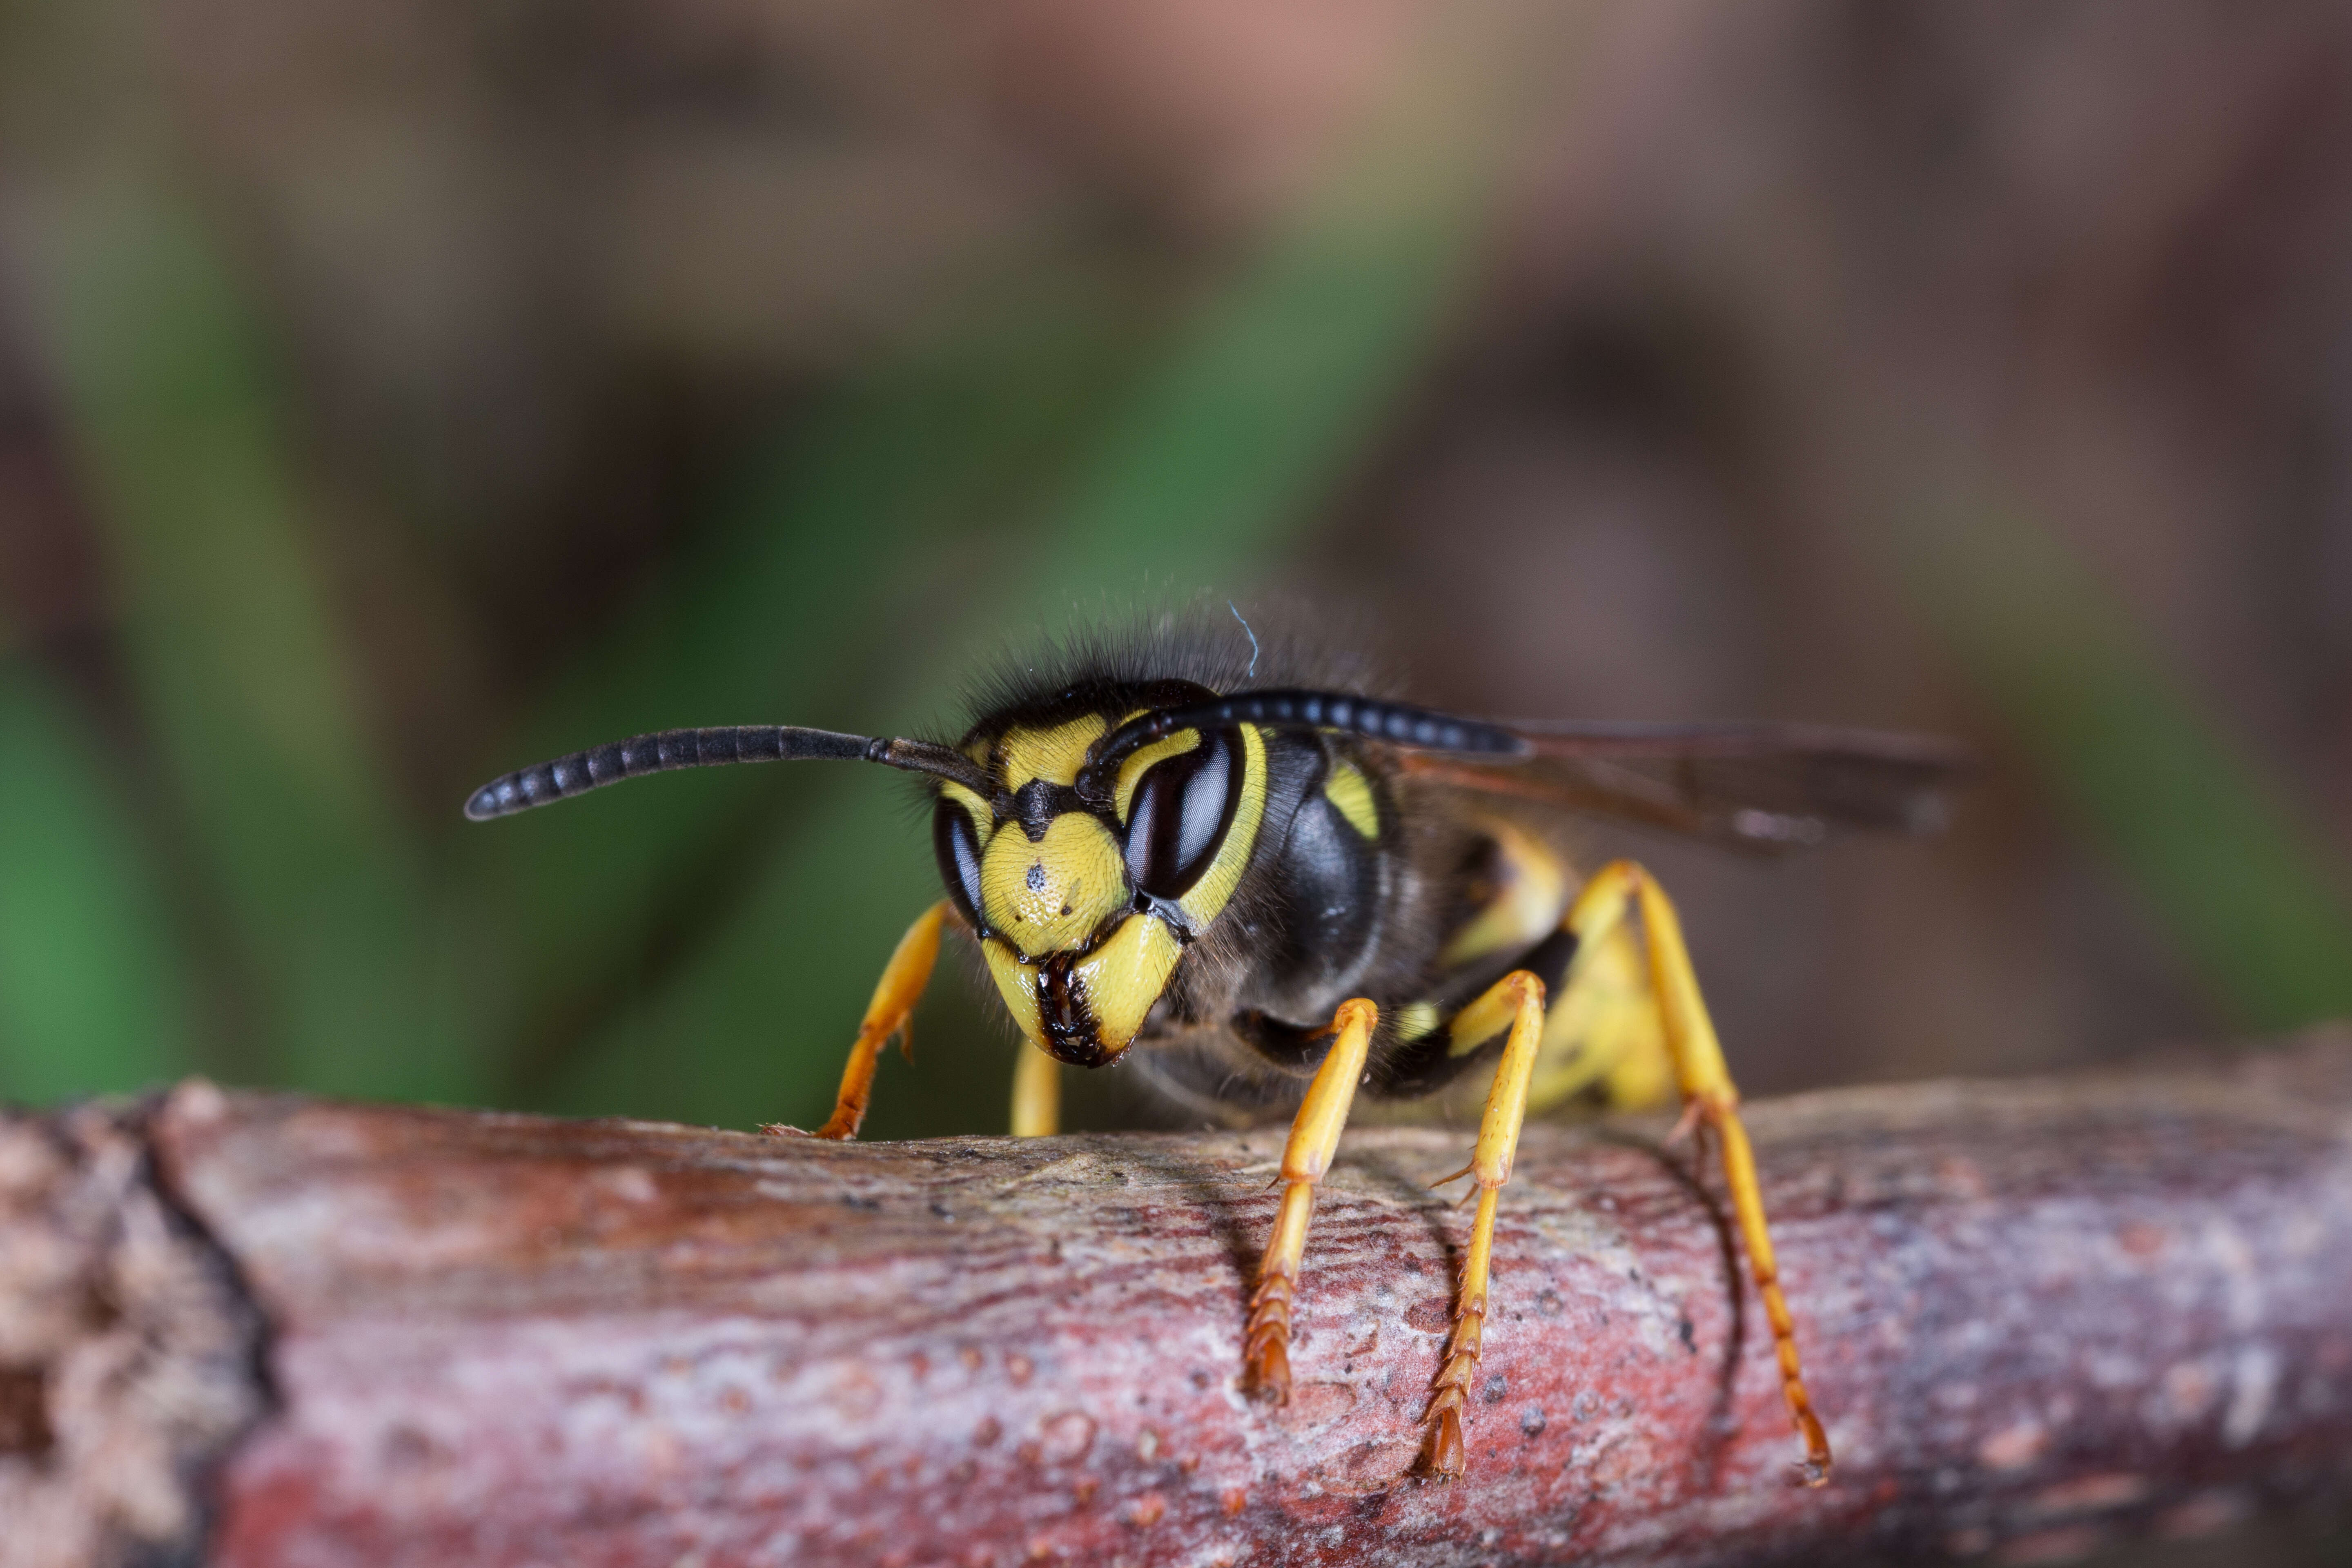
(956, 844)
(1182, 808)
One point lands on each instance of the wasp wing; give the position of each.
(1764, 788)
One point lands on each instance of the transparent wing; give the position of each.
(1764, 788)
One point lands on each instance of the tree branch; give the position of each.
(2034, 1313)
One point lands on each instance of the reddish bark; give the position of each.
(2033, 1314)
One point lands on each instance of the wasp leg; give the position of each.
(890, 1011)
(1604, 1034)
(1516, 1001)
(1314, 1136)
(1036, 1093)
(1712, 1100)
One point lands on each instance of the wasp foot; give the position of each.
(1445, 1453)
(1265, 1342)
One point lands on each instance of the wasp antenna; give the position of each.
(940, 762)
(601, 766)
(1419, 729)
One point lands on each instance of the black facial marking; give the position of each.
(1035, 804)
(1072, 1034)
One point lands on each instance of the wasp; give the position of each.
(1274, 891)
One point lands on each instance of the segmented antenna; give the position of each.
(605, 765)
(1394, 723)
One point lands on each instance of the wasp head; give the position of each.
(1085, 885)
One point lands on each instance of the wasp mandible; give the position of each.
(1272, 891)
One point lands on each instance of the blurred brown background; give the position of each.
(394, 395)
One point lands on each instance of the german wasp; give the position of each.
(1270, 888)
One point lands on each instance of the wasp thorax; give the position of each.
(1057, 892)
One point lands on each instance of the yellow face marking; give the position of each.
(1118, 982)
(1019, 985)
(1351, 791)
(1122, 978)
(1057, 892)
(1054, 895)
(1531, 895)
(1131, 771)
(1216, 885)
(1053, 755)
(982, 819)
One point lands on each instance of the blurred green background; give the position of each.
(392, 395)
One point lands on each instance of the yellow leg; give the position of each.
(1313, 1137)
(890, 1011)
(1713, 1100)
(1036, 1093)
(1516, 1001)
